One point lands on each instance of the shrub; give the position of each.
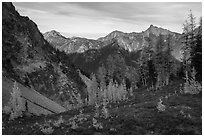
(105, 110)
(96, 124)
(58, 122)
(161, 107)
(6, 110)
(131, 91)
(96, 111)
(45, 128)
(74, 125)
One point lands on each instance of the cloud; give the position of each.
(94, 18)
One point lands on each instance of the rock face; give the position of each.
(157, 31)
(71, 45)
(136, 41)
(29, 59)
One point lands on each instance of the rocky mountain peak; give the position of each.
(116, 33)
(154, 28)
(156, 31)
(52, 33)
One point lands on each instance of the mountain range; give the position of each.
(129, 41)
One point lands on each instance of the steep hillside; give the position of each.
(71, 45)
(92, 59)
(29, 59)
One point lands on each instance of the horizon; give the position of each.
(82, 19)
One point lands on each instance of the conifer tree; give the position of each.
(117, 92)
(168, 61)
(93, 88)
(16, 103)
(196, 53)
(189, 41)
(143, 62)
(124, 91)
(114, 93)
(116, 67)
(143, 66)
(159, 62)
(101, 75)
(132, 75)
(110, 89)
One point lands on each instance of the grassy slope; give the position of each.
(139, 115)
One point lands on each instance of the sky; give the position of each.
(97, 19)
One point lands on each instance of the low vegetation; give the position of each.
(166, 111)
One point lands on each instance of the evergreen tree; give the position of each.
(143, 66)
(163, 61)
(168, 61)
(101, 75)
(124, 91)
(196, 53)
(143, 62)
(114, 93)
(159, 61)
(116, 67)
(110, 89)
(110, 67)
(132, 74)
(93, 90)
(189, 41)
(152, 73)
